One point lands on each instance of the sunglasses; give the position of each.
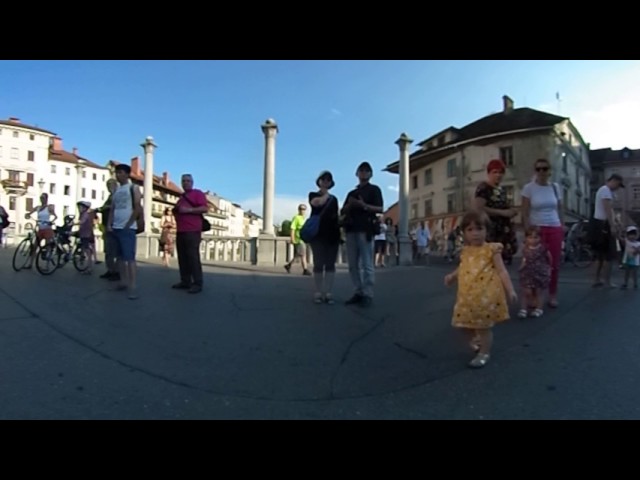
(542, 169)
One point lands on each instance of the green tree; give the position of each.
(285, 229)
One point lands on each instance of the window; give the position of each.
(95, 176)
(15, 155)
(32, 137)
(67, 190)
(414, 210)
(451, 168)
(0, 151)
(510, 194)
(84, 174)
(93, 194)
(564, 162)
(67, 171)
(52, 189)
(506, 155)
(29, 179)
(451, 203)
(428, 208)
(442, 139)
(31, 156)
(65, 210)
(428, 177)
(636, 192)
(84, 192)
(103, 195)
(12, 203)
(29, 204)
(14, 176)
(103, 179)
(53, 169)
(15, 134)
(414, 182)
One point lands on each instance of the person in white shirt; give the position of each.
(380, 245)
(423, 235)
(631, 258)
(542, 208)
(604, 229)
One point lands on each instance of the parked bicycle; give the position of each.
(22, 255)
(63, 248)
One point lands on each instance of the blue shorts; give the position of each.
(125, 244)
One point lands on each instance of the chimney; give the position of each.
(165, 179)
(75, 151)
(135, 167)
(14, 119)
(57, 143)
(507, 104)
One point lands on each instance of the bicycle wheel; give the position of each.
(582, 257)
(46, 259)
(80, 259)
(21, 255)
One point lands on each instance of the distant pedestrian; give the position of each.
(423, 237)
(483, 287)
(380, 244)
(299, 247)
(631, 257)
(167, 235)
(109, 240)
(4, 224)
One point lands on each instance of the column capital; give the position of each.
(404, 141)
(148, 143)
(270, 127)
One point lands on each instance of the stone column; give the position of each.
(270, 129)
(147, 193)
(404, 241)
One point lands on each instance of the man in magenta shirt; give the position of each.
(188, 213)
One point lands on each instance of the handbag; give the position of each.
(311, 227)
(206, 226)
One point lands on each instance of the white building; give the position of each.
(236, 221)
(252, 224)
(33, 161)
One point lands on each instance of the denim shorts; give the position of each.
(125, 244)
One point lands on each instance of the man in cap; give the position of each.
(299, 247)
(360, 220)
(605, 229)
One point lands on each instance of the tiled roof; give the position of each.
(10, 123)
(498, 123)
(68, 157)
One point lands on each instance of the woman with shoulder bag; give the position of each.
(326, 242)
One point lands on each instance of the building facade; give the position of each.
(448, 166)
(33, 161)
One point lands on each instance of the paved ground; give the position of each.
(254, 346)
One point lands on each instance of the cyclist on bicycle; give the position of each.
(45, 220)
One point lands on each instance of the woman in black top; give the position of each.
(326, 243)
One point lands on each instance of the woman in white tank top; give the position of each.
(45, 219)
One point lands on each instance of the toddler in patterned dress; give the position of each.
(535, 274)
(483, 287)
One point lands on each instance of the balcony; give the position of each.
(14, 186)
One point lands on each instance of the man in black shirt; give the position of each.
(359, 211)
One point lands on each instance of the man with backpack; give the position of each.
(125, 220)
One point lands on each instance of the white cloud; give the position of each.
(284, 206)
(394, 188)
(335, 113)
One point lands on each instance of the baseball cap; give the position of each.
(632, 228)
(364, 167)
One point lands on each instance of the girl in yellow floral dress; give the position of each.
(483, 287)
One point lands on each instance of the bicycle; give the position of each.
(60, 251)
(25, 248)
(579, 254)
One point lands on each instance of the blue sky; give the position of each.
(205, 115)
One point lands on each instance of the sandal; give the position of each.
(537, 313)
(328, 299)
(522, 313)
(317, 298)
(479, 361)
